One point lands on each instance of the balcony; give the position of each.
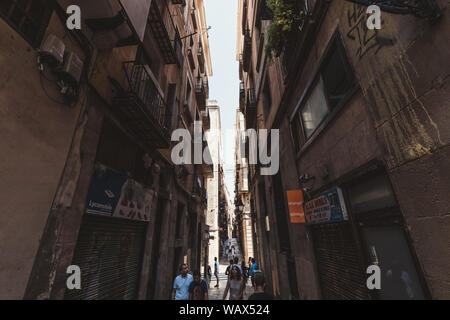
(115, 23)
(142, 107)
(191, 59)
(247, 53)
(201, 59)
(206, 120)
(250, 109)
(205, 169)
(241, 67)
(206, 84)
(200, 93)
(241, 96)
(165, 33)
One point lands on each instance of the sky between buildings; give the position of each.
(221, 15)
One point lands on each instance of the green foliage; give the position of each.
(286, 17)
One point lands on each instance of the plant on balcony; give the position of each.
(287, 15)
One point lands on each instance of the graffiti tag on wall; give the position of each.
(368, 40)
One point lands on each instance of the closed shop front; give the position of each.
(340, 271)
(361, 229)
(109, 253)
(111, 240)
(338, 260)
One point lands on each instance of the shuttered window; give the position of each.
(109, 253)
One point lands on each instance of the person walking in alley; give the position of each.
(181, 284)
(209, 275)
(252, 269)
(228, 270)
(260, 285)
(244, 271)
(236, 263)
(216, 271)
(198, 290)
(235, 285)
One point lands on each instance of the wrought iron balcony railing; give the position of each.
(201, 59)
(143, 107)
(165, 32)
(200, 93)
(250, 108)
(241, 95)
(247, 53)
(206, 85)
(241, 67)
(206, 120)
(251, 98)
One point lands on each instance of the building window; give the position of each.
(331, 88)
(315, 109)
(28, 17)
(267, 98)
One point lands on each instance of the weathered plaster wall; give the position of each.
(36, 134)
(399, 116)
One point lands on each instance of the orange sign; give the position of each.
(295, 201)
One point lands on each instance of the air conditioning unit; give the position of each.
(52, 51)
(72, 69)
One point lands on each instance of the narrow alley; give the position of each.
(139, 139)
(217, 293)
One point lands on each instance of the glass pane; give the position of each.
(388, 247)
(338, 81)
(372, 194)
(315, 109)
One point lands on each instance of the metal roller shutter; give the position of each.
(109, 253)
(340, 272)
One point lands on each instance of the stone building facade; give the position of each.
(244, 217)
(214, 184)
(363, 119)
(86, 142)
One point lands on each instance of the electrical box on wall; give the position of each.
(52, 51)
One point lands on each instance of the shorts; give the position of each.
(216, 273)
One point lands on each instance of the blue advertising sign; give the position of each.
(115, 195)
(329, 207)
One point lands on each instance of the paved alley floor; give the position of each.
(217, 293)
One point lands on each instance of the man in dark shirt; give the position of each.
(198, 290)
(260, 284)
